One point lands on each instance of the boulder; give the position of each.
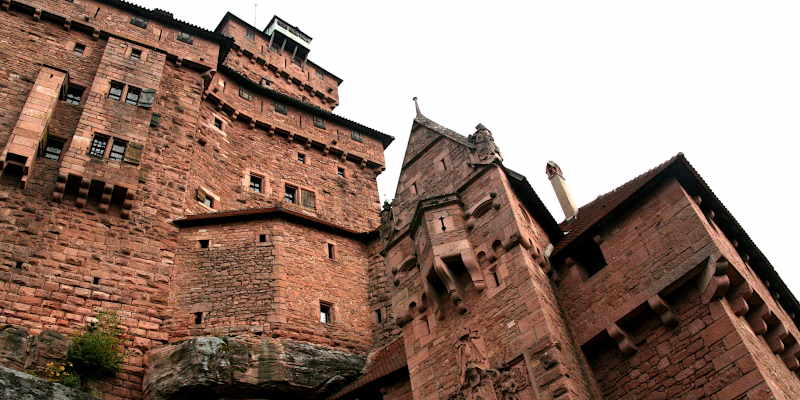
(240, 368)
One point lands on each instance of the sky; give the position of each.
(606, 89)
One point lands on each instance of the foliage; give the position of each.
(97, 353)
(62, 373)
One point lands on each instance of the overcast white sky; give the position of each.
(608, 89)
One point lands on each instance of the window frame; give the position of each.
(82, 51)
(135, 90)
(281, 108)
(318, 122)
(260, 183)
(99, 138)
(295, 193)
(325, 313)
(44, 150)
(118, 142)
(245, 94)
(69, 93)
(304, 196)
(139, 22)
(357, 136)
(184, 37)
(118, 86)
(139, 54)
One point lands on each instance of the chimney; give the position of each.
(562, 191)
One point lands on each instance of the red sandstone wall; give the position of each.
(256, 60)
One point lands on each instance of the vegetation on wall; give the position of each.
(98, 353)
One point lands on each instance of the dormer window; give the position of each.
(250, 35)
(319, 122)
(245, 94)
(185, 38)
(140, 22)
(280, 108)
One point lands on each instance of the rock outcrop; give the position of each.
(234, 367)
(17, 385)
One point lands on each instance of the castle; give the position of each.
(199, 184)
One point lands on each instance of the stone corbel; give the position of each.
(271, 131)
(178, 62)
(58, 192)
(790, 356)
(83, 193)
(776, 338)
(37, 14)
(714, 282)
(6, 4)
(105, 198)
(622, 338)
(664, 311)
(740, 298)
(67, 23)
(127, 205)
(757, 318)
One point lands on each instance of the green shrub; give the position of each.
(97, 353)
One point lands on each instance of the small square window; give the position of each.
(140, 22)
(74, 95)
(245, 94)
(217, 123)
(331, 251)
(185, 38)
(203, 243)
(301, 158)
(281, 109)
(325, 315)
(133, 95)
(98, 146)
(290, 194)
(79, 49)
(95, 281)
(136, 54)
(208, 201)
(117, 150)
(52, 148)
(357, 136)
(255, 183)
(340, 171)
(115, 92)
(262, 238)
(251, 34)
(198, 318)
(319, 122)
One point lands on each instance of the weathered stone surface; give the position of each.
(15, 385)
(22, 351)
(233, 367)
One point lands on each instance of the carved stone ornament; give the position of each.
(387, 221)
(480, 382)
(486, 151)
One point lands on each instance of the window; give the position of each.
(443, 164)
(319, 122)
(281, 108)
(185, 38)
(245, 94)
(262, 238)
(204, 198)
(340, 172)
(52, 148)
(290, 194)
(95, 280)
(301, 158)
(79, 49)
(320, 74)
(203, 243)
(133, 96)
(74, 95)
(356, 136)
(117, 150)
(136, 54)
(325, 313)
(255, 183)
(251, 34)
(414, 190)
(331, 251)
(115, 92)
(198, 318)
(217, 123)
(140, 22)
(378, 316)
(309, 199)
(98, 146)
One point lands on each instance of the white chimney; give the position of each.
(562, 190)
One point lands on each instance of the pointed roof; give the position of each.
(679, 168)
